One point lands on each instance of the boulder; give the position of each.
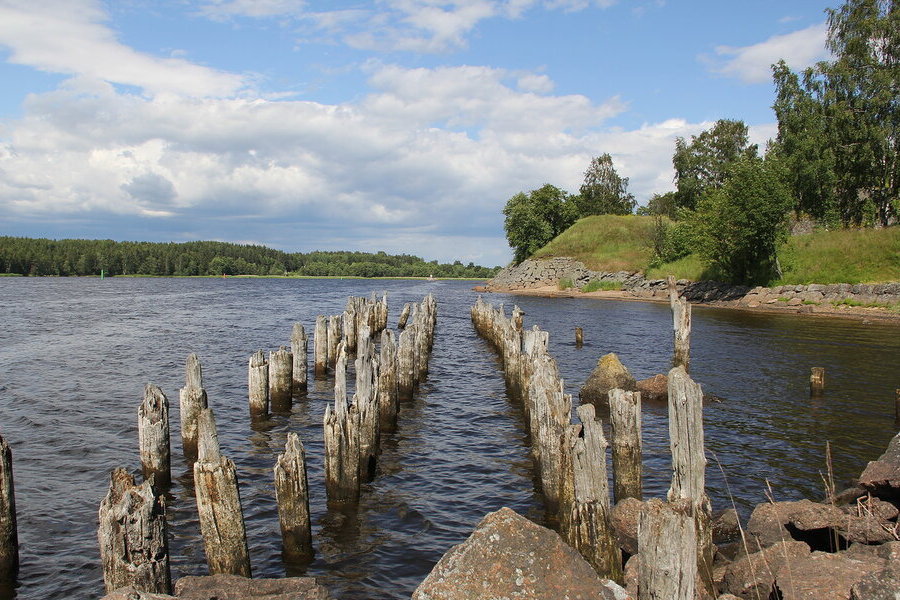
(753, 576)
(883, 585)
(822, 575)
(882, 477)
(802, 520)
(726, 526)
(609, 374)
(129, 593)
(233, 587)
(508, 556)
(654, 389)
(624, 518)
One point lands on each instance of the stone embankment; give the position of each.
(537, 274)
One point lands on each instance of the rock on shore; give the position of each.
(232, 587)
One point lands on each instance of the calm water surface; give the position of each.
(75, 355)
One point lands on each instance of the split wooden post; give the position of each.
(625, 427)
(681, 323)
(134, 548)
(335, 331)
(219, 504)
(579, 337)
(667, 544)
(9, 537)
(191, 399)
(406, 363)
(258, 384)
(300, 352)
(341, 434)
(281, 366)
(817, 381)
(689, 462)
(292, 496)
(388, 389)
(551, 413)
(365, 401)
(153, 436)
(404, 315)
(320, 346)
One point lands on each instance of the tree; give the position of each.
(737, 227)
(534, 219)
(603, 191)
(703, 163)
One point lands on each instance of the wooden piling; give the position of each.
(300, 352)
(320, 346)
(281, 366)
(897, 406)
(341, 432)
(335, 331)
(817, 381)
(404, 316)
(258, 384)
(579, 337)
(191, 400)
(625, 428)
(365, 401)
(292, 496)
(349, 321)
(219, 505)
(153, 436)
(9, 537)
(551, 410)
(132, 535)
(388, 387)
(406, 363)
(681, 323)
(667, 545)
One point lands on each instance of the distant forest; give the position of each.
(36, 257)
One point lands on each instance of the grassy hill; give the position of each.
(624, 243)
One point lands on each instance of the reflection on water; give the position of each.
(76, 353)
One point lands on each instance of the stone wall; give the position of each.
(531, 274)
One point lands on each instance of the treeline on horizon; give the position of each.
(73, 257)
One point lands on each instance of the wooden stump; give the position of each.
(335, 331)
(579, 337)
(300, 352)
(258, 384)
(281, 366)
(406, 363)
(341, 453)
(897, 406)
(817, 381)
(9, 537)
(404, 316)
(292, 496)
(667, 545)
(551, 413)
(350, 332)
(365, 401)
(153, 436)
(681, 323)
(219, 505)
(388, 390)
(320, 346)
(132, 535)
(191, 399)
(625, 427)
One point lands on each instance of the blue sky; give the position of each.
(396, 125)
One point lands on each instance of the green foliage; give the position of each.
(28, 256)
(841, 256)
(605, 242)
(671, 241)
(604, 192)
(565, 283)
(737, 227)
(689, 267)
(660, 204)
(534, 219)
(703, 164)
(598, 285)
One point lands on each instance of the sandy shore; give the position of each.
(825, 309)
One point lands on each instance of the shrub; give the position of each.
(605, 286)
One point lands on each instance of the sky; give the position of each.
(395, 125)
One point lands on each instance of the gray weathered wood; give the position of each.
(406, 362)
(335, 333)
(681, 324)
(281, 366)
(350, 323)
(132, 536)
(292, 496)
(258, 383)
(9, 537)
(191, 400)
(388, 389)
(404, 316)
(551, 413)
(667, 545)
(300, 352)
(341, 453)
(153, 436)
(365, 401)
(320, 346)
(625, 429)
(207, 436)
(817, 381)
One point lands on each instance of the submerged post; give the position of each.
(153, 436)
(406, 363)
(667, 544)
(681, 323)
(300, 351)
(281, 366)
(817, 381)
(191, 399)
(579, 337)
(320, 346)
(625, 426)
(341, 434)
(292, 496)
(9, 537)
(258, 384)
(132, 536)
(897, 406)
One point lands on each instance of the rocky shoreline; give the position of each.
(542, 277)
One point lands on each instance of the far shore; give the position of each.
(824, 309)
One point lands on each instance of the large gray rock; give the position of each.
(753, 576)
(609, 374)
(821, 575)
(774, 522)
(232, 587)
(624, 518)
(508, 556)
(882, 477)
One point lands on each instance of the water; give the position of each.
(76, 353)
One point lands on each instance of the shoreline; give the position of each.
(858, 313)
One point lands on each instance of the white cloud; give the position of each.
(69, 37)
(752, 64)
(224, 9)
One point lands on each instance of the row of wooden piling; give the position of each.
(571, 460)
(330, 331)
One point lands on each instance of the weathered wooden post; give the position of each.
(219, 505)
(579, 337)
(897, 406)
(817, 381)
(341, 426)
(191, 399)
(365, 400)
(350, 323)
(153, 436)
(292, 496)
(404, 316)
(134, 549)
(281, 366)
(300, 352)
(9, 537)
(406, 363)
(689, 462)
(681, 322)
(258, 384)
(335, 330)
(320, 346)
(551, 412)
(625, 427)
(388, 390)
(667, 544)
